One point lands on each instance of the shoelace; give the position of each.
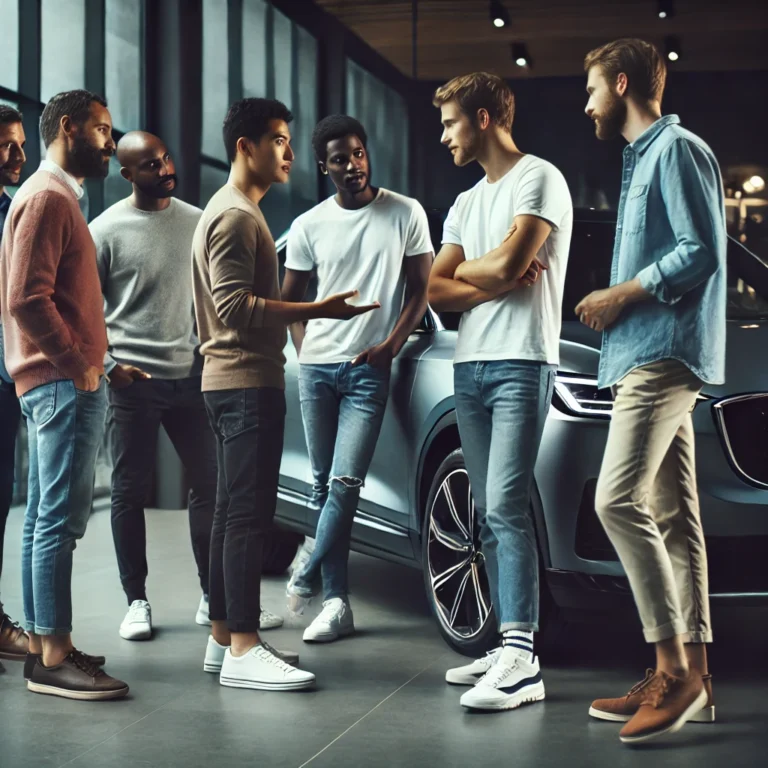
(649, 673)
(329, 612)
(268, 614)
(83, 662)
(658, 689)
(491, 657)
(138, 612)
(494, 676)
(266, 653)
(15, 629)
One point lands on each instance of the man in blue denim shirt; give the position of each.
(13, 641)
(664, 337)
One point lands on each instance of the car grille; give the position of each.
(743, 425)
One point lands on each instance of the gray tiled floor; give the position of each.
(381, 699)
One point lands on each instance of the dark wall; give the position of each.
(726, 109)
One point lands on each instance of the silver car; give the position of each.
(416, 507)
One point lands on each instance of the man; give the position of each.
(664, 337)
(379, 242)
(503, 262)
(242, 325)
(55, 343)
(14, 643)
(143, 244)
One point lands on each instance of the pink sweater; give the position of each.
(50, 294)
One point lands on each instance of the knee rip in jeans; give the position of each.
(348, 483)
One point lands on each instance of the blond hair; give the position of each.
(641, 62)
(480, 90)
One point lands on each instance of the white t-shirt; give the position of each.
(364, 250)
(523, 324)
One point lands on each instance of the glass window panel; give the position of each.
(212, 179)
(384, 114)
(254, 48)
(63, 47)
(123, 63)
(9, 44)
(215, 76)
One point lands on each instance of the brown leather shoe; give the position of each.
(75, 678)
(668, 703)
(32, 658)
(14, 642)
(623, 709)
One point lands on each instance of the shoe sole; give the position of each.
(707, 715)
(692, 710)
(64, 693)
(461, 679)
(527, 696)
(203, 622)
(209, 666)
(330, 637)
(142, 636)
(258, 685)
(270, 625)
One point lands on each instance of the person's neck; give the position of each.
(2, 191)
(356, 201)
(147, 203)
(639, 119)
(499, 155)
(251, 186)
(57, 153)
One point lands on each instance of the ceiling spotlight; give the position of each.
(672, 46)
(521, 56)
(666, 9)
(499, 15)
(754, 184)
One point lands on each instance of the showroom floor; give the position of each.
(381, 699)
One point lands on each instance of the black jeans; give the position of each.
(249, 425)
(10, 413)
(134, 419)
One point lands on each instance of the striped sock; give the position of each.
(521, 642)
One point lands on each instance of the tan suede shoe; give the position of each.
(668, 704)
(14, 642)
(623, 709)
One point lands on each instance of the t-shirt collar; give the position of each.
(67, 178)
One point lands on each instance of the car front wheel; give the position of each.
(455, 574)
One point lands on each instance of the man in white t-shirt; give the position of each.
(503, 261)
(377, 241)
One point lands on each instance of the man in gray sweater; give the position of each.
(144, 244)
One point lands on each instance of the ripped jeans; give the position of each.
(343, 408)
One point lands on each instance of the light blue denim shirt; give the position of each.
(671, 234)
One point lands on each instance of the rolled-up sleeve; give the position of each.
(232, 247)
(692, 191)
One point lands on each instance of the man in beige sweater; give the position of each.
(242, 325)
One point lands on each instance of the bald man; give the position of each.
(154, 369)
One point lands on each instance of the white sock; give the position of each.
(518, 642)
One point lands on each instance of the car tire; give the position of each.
(458, 594)
(280, 548)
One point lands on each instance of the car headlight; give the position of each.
(578, 395)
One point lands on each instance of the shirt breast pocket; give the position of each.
(635, 209)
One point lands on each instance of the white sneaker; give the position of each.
(263, 671)
(333, 622)
(202, 618)
(214, 655)
(137, 624)
(269, 620)
(512, 681)
(469, 674)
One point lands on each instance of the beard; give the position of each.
(89, 160)
(467, 153)
(8, 180)
(157, 190)
(608, 125)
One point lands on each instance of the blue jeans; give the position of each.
(65, 428)
(9, 426)
(343, 408)
(501, 408)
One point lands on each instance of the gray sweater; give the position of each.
(144, 261)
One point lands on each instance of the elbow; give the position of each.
(228, 318)
(434, 299)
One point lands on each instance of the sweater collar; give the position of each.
(60, 173)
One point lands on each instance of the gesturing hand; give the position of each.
(337, 308)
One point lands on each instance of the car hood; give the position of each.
(746, 362)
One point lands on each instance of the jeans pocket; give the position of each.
(231, 419)
(39, 404)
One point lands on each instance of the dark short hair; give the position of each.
(250, 118)
(9, 115)
(640, 61)
(75, 104)
(335, 127)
